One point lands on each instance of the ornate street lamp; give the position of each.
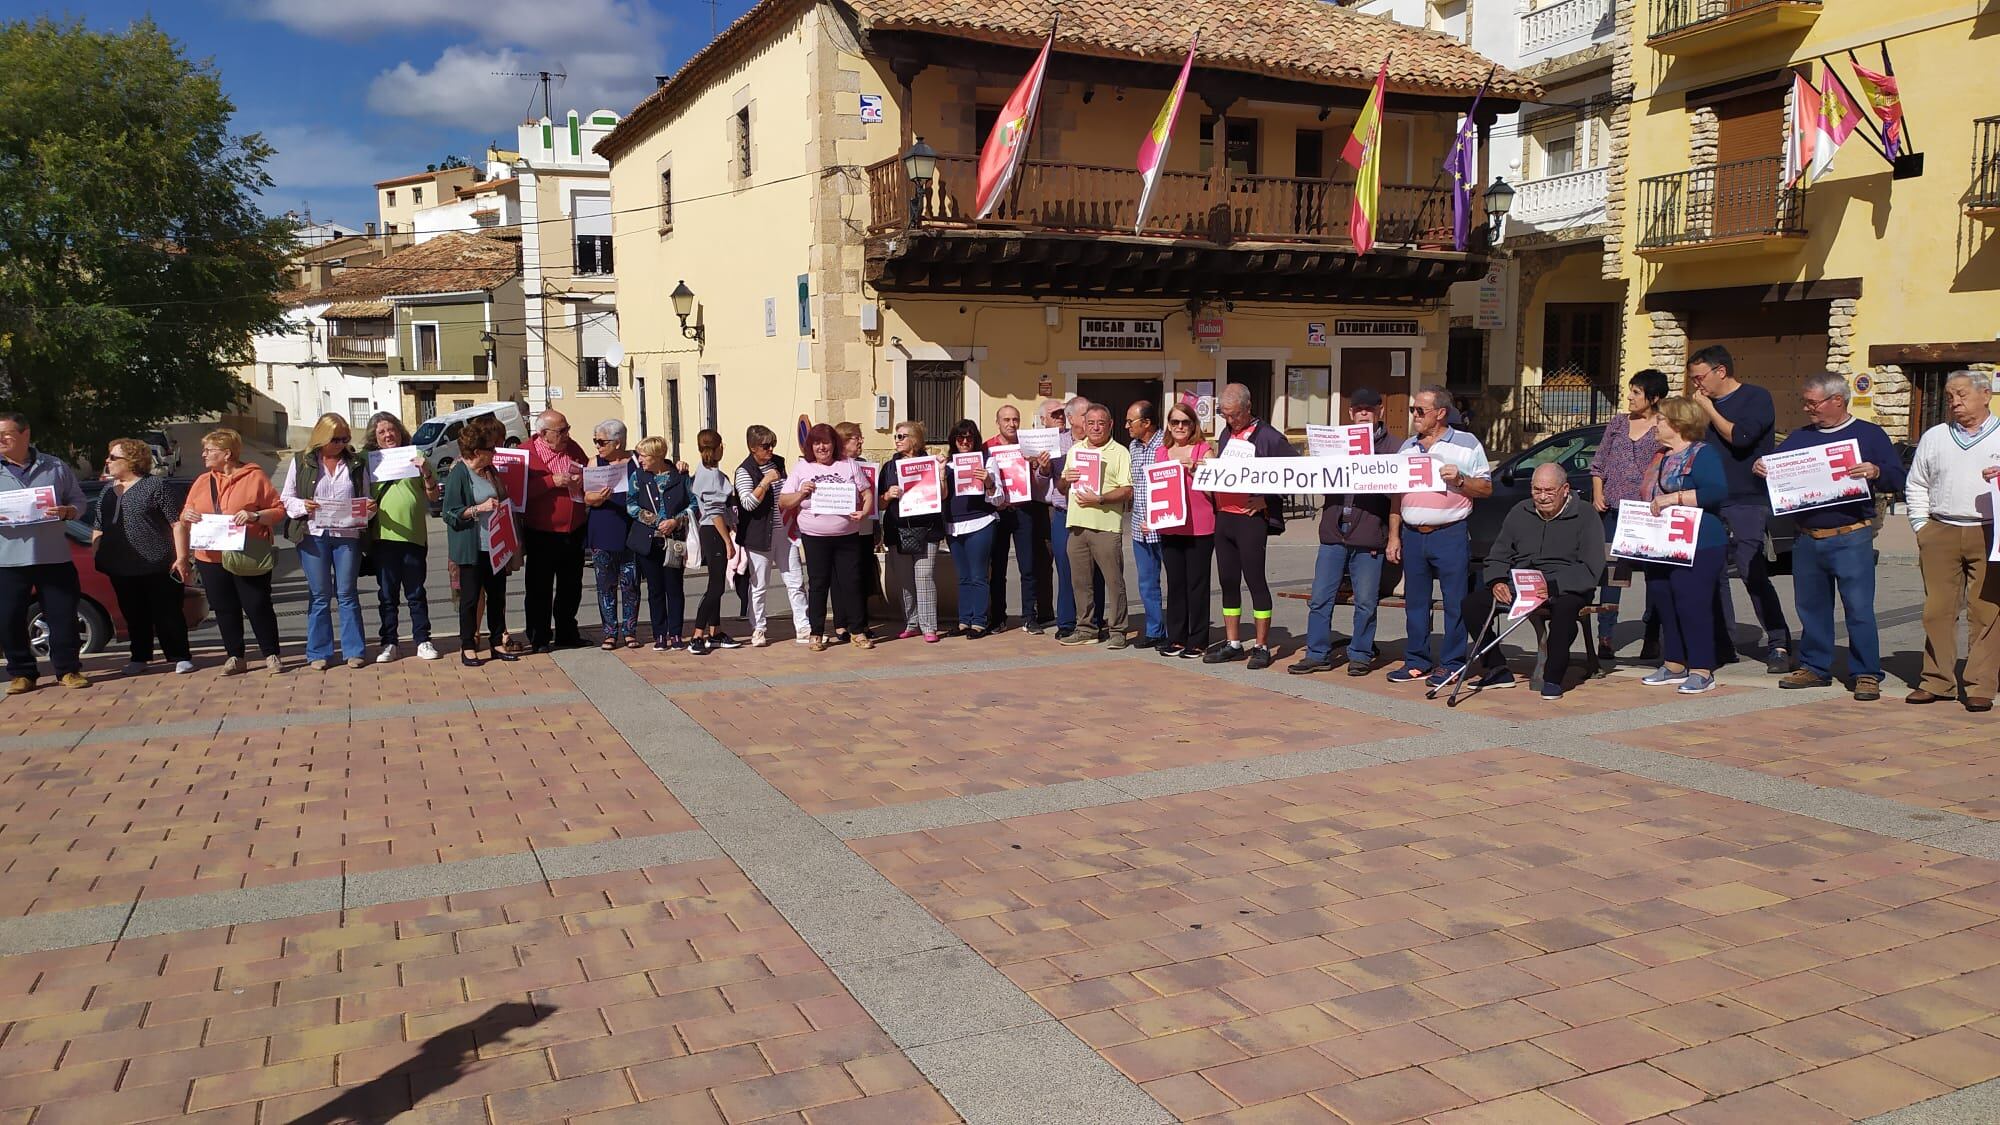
(683, 298)
(920, 165)
(1499, 200)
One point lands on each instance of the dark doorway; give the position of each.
(1256, 375)
(1308, 154)
(1119, 395)
(1375, 368)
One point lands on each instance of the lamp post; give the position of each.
(683, 299)
(1499, 200)
(492, 347)
(920, 165)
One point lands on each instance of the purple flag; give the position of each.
(1464, 173)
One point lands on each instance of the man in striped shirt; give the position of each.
(1436, 542)
(1141, 421)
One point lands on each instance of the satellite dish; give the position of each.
(614, 356)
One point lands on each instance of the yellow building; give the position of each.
(824, 280)
(1871, 272)
(397, 201)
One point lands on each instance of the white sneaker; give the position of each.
(802, 640)
(427, 651)
(758, 639)
(387, 655)
(184, 668)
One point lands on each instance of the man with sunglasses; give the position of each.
(1356, 533)
(553, 543)
(1436, 542)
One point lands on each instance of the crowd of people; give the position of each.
(1072, 541)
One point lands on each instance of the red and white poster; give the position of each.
(512, 465)
(1531, 589)
(963, 465)
(1340, 441)
(1011, 465)
(1166, 496)
(1089, 466)
(27, 505)
(1814, 477)
(1666, 538)
(867, 470)
(503, 540)
(922, 493)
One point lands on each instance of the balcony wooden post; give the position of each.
(906, 71)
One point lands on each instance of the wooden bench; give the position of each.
(1593, 667)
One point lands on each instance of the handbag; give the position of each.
(257, 556)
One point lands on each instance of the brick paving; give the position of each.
(109, 822)
(666, 994)
(1940, 756)
(859, 745)
(1490, 936)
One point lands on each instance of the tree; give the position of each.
(450, 161)
(134, 261)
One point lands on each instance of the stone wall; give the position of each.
(840, 357)
(1616, 181)
(1667, 347)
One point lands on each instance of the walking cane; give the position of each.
(1456, 680)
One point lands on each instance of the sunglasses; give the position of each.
(602, 441)
(1179, 422)
(339, 441)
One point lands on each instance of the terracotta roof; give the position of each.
(424, 177)
(358, 310)
(449, 263)
(1308, 41)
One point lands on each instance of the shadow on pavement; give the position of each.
(441, 1062)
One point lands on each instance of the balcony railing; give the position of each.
(1670, 17)
(1985, 195)
(593, 255)
(1744, 199)
(1097, 199)
(362, 348)
(1564, 26)
(1573, 199)
(594, 373)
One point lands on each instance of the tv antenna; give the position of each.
(712, 6)
(545, 77)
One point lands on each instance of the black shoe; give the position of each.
(698, 646)
(724, 640)
(1778, 661)
(469, 658)
(1306, 666)
(1103, 634)
(503, 656)
(573, 642)
(1144, 640)
(1360, 668)
(1167, 650)
(542, 649)
(1222, 652)
(1063, 634)
(841, 638)
(1037, 628)
(1260, 658)
(1192, 652)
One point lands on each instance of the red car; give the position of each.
(99, 620)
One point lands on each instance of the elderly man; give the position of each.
(1436, 542)
(1951, 508)
(1142, 422)
(1741, 422)
(1835, 548)
(1356, 533)
(1554, 532)
(1244, 524)
(1019, 524)
(1096, 523)
(1068, 417)
(35, 563)
(554, 541)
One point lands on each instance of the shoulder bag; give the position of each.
(257, 556)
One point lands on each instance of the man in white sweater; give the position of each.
(1951, 508)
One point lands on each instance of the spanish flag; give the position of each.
(1153, 150)
(1364, 154)
(1008, 143)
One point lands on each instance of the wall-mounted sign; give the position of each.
(1376, 328)
(770, 316)
(1491, 314)
(871, 109)
(1316, 334)
(1045, 387)
(805, 306)
(1208, 328)
(1118, 334)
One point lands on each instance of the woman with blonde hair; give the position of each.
(326, 493)
(912, 541)
(238, 583)
(1689, 474)
(139, 546)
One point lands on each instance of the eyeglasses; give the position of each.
(1422, 409)
(1179, 422)
(899, 437)
(602, 441)
(116, 457)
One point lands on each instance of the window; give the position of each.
(937, 395)
(416, 197)
(709, 407)
(357, 412)
(674, 416)
(666, 201)
(596, 337)
(458, 404)
(1308, 154)
(595, 373)
(389, 199)
(1559, 156)
(424, 353)
(1241, 145)
(743, 143)
(591, 218)
(984, 118)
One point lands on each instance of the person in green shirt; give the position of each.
(1097, 525)
(401, 551)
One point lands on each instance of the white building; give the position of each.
(567, 274)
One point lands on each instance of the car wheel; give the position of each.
(93, 628)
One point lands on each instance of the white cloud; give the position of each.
(320, 156)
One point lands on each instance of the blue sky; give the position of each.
(355, 91)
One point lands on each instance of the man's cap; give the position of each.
(1364, 397)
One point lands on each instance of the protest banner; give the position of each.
(512, 465)
(597, 478)
(833, 496)
(503, 538)
(1280, 476)
(26, 505)
(398, 462)
(1166, 495)
(1666, 538)
(1041, 440)
(1089, 466)
(923, 495)
(1813, 478)
(1531, 589)
(1340, 441)
(1012, 468)
(216, 533)
(963, 465)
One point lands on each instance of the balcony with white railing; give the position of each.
(1572, 201)
(1560, 27)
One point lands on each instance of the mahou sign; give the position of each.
(1376, 473)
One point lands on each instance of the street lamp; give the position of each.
(1499, 200)
(683, 298)
(920, 165)
(492, 347)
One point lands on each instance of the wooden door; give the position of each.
(1375, 368)
(1750, 145)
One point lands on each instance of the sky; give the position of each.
(354, 91)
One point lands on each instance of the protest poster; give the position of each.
(512, 466)
(1814, 477)
(26, 505)
(503, 538)
(398, 462)
(1011, 466)
(867, 470)
(1281, 476)
(1666, 538)
(216, 533)
(597, 478)
(923, 495)
(1166, 496)
(963, 465)
(1038, 441)
(1531, 589)
(339, 514)
(833, 496)
(1340, 441)
(1089, 466)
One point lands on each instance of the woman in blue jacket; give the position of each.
(660, 499)
(1688, 473)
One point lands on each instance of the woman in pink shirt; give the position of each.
(831, 539)
(1185, 550)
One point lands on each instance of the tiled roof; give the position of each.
(449, 263)
(1308, 41)
(358, 310)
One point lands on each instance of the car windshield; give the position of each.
(156, 437)
(427, 434)
(1572, 451)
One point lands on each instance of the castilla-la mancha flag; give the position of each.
(1823, 117)
(1364, 154)
(1008, 143)
(1153, 150)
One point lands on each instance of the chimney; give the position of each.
(660, 80)
(371, 229)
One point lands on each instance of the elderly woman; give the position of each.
(833, 540)
(401, 550)
(1618, 473)
(327, 487)
(473, 491)
(604, 533)
(238, 583)
(1689, 474)
(140, 548)
(660, 499)
(912, 541)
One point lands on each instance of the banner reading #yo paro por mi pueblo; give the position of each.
(1281, 476)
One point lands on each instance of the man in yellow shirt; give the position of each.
(1097, 524)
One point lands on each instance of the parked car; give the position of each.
(1573, 450)
(99, 620)
(166, 452)
(438, 438)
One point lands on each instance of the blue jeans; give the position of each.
(1065, 598)
(332, 566)
(1443, 555)
(1146, 560)
(1820, 567)
(399, 576)
(1336, 560)
(973, 554)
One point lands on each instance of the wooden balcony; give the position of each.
(358, 349)
(1721, 210)
(1689, 27)
(1084, 215)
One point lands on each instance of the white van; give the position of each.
(438, 438)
